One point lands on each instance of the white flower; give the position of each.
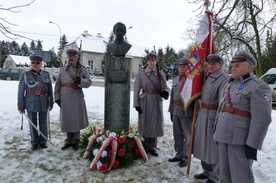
(104, 154)
(131, 135)
(99, 164)
(95, 152)
(88, 131)
(99, 139)
(112, 135)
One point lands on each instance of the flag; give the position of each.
(192, 83)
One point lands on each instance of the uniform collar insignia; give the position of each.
(245, 78)
(36, 72)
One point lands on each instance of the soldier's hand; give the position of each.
(77, 80)
(138, 109)
(171, 117)
(250, 152)
(164, 94)
(58, 103)
(21, 110)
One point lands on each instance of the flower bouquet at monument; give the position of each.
(108, 150)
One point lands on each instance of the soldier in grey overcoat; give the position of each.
(150, 88)
(35, 94)
(182, 120)
(242, 121)
(69, 96)
(205, 148)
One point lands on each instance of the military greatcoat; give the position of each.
(205, 148)
(251, 95)
(182, 120)
(73, 113)
(151, 121)
(246, 125)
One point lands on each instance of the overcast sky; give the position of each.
(154, 22)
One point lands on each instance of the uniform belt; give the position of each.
(178, 102)
(70, 85)
(207, 106)
(36, 92)
(236, 111)
(151, 91)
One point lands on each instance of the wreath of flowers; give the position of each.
(107, 150)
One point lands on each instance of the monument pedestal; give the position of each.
(117, 94)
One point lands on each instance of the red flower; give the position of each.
(122, 152)
(103, 167)
(121, 140)
(115, 164)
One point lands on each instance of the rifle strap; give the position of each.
(153, 84)
(70, 74)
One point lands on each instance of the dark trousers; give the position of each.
(72, 137)
(151, 143)
(36, 138)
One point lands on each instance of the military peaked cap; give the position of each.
(214, 57)
(72, 52)
(151, 55)
(36, 58)
(183, 61)
(242, 56)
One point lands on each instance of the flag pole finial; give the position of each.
(206, 4)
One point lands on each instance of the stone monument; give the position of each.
(117, 82)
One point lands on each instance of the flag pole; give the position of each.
(192, 138)
(206, 4)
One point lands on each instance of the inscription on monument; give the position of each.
(117, 76)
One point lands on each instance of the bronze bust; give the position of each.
(119, 47)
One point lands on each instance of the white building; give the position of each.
(16, 61)
(93, 49)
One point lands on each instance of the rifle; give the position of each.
(158, 73)
(78, 62)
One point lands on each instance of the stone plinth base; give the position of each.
(117, 94)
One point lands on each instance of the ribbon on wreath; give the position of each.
(141, 148)
(114, 146)
(91, 142)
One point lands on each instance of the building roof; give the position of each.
(98, 45)
(20, 59)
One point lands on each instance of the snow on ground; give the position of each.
(18, 163)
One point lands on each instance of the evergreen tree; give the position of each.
(63, 42)
(32, 48)
(15, 48)
(170, 57)
(39, 46)
(4, 52)
(24, 50)
(54, 60)
(269, 56)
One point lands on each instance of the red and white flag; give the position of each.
(192, 84)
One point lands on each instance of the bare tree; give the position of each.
(5, 25)
(242, 25)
